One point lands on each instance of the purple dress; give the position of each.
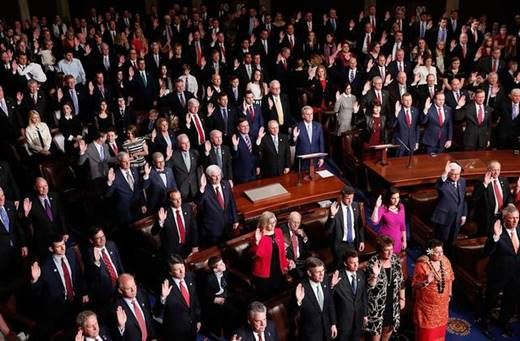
(392, 224)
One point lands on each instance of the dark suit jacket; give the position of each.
(10, 122)
(485, 203)
(272, 163)
(303, 145)
(8, 183)
(350, 308)
(41, 226)
(98, 277)
(128, 202)
(336, 226)
(244, 161)
(11, 238)
(170, 239)
(476, 136)
(132, 331)
(315, 323)
(508, 129)
(188, 180)
(40, 106)
(303, 247)
(450, 207)
(173, 102)
(158, 192)
(246, 332)
(217, 121)
(144, 93)
(451, 101)
(408, 135)
(370, 97)
(255, 122)
(504, 264)
(83, 102)
(123, 121)
(215, 222)
(271, 114)
(179, 319)
(160, 144)
(435, 134)
(227, 162)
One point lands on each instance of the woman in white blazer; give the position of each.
(37, 135)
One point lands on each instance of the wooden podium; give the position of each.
(312, 167)
(384, 152)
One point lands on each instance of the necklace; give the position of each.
(439, 276)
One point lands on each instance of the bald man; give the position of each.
(451, 211)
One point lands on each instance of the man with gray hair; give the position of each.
(508, 130)
(275, 106)
(216, 207)
(193, 125)
(451, 211)
(88, 327)
(503, 271)
(185, 164)
(308, 137)
(258, 327)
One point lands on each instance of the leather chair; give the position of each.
(278, 311)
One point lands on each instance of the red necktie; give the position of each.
(441, 119)
(199, 53)
(140, 320)
(495, 65)
(260, 338)
(408, 118)
(251, 114)
(111, 271)
(378, 95)
(115, 149)
(220, 198)
(480, 116)
(498, 194)
(184, 292)
(200, 131)
(180, 226)
(68, 280)
(294, 240)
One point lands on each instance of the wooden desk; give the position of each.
(427, 169)
(306, 193)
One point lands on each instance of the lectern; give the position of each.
(312, 167)
(384, 152)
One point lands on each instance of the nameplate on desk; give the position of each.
(266, 192)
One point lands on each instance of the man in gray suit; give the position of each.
(97, 154)
(185, 166)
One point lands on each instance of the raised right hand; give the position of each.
(36, 272)
(162, 214)
(376, 268)
(487, 178)
(166, 288)
(82, 146)
(334, 208)
(27, 206)
(497, 228)
(121, 317)
(111, 176)
(300, 293)
(258, 235)
(379, 201)
(234, 140)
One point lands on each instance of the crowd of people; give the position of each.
(163, 114)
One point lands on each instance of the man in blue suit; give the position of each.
(245, 159)
(59, 288)
(406, 126)
(126, 186)
(308, 137)
(253, 113)
(217, 208)
(144, 86)
(439, 125)
(451, 210)
(161, 182)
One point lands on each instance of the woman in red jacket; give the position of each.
(270, 261)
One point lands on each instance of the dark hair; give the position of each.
(93, 230)
(212, 261)
(388, 196)
(55, 238)
(382, 242)
(313, 262)
(347, 190)
(433, 243)
(175, 259)
(350, 253)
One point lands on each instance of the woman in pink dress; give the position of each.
(392, 219)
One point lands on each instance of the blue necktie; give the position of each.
(349, 226)
(5, 218)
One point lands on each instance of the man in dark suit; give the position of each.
(154, 59)
(161, 182)
(126, 186)
(33, 99)
(144, 85)
(13, 243)
(222, 117)
(425, 91)
(308, 137)
(508, 130)
(177, 227)
(406, 126)
(490, 195)
(58, 286)
(76, 95)
(100, 91)
(252, 112)
(377, 93)
(438, 118)
(102, 266)
(275, 106)
(194, 125)
(355, 75)
(98, 156)
(299, 245)
(274, 151)
(379, 69)
(185, 164)
(350, 299)
(124, 116)
(478, 117)
(43, 217)
(400, 64)
(451, 210)
(215, 153)
(133, 319)
(178, 305)
(453, 96)
(177, 100)
(88, 327)
(216, 204)
(10, 123)
(258, 327)
(502, 247)
(8, 183)
(245, 158)
(346, 225)
(492, 63)
(315, 303)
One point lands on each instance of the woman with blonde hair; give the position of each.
(270, 261)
